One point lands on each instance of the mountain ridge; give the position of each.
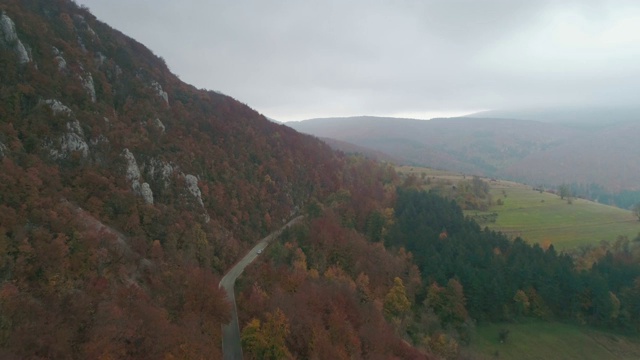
(570, 116)
(523, 150)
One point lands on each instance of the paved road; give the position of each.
(231, 346)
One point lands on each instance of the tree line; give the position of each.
(505, 280)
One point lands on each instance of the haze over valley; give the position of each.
(539, 153)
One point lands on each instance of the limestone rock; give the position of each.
(133, 175)
(71, 141)
(84, 29)
(87, 83)
(133, 171)
(84, 25)
(160, 171)
(58, 107)
(100, 58)
(158, 88)
(146, 193)
(8, 29)
(160, 125)
(82, 46)
(62, 63)
(11, 39)
(192, 186)
(100, 139)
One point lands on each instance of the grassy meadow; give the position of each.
(538, 217)
(552, 340)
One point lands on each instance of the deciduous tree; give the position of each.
(267, 340)
(396, 302)
(636, 210)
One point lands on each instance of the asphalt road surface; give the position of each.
(231, 345)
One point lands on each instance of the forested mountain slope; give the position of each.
(125, 193)
(534, 152)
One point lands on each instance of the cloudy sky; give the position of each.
(292, 59)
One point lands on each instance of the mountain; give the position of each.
(109, 117)
(350, 148)
(582, 116)
(529, 151)
(126, 193)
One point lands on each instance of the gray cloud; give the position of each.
(295, 59)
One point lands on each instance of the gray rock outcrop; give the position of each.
(87, 83)
(194, 189)
(161, 171)
(133, 174)
(59, 59)
(160, 125)
(146, 193)
(158, 88)
(58, 108)
(73, 139)
(11, 40)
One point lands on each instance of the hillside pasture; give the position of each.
(551, 340)
(541, 217)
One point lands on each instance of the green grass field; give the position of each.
(552, 340)
(537, 217)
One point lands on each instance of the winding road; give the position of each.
(231, 345)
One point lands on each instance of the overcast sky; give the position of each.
(294, 59)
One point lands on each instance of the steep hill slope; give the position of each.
(528, 151)
(124, 192)
(110, 117)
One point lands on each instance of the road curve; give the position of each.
(231, 345)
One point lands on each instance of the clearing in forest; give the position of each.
(552, 340)
(541, 217)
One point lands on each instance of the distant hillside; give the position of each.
(606, 156)
(349, 148)
(529, 151)
(585, 116)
